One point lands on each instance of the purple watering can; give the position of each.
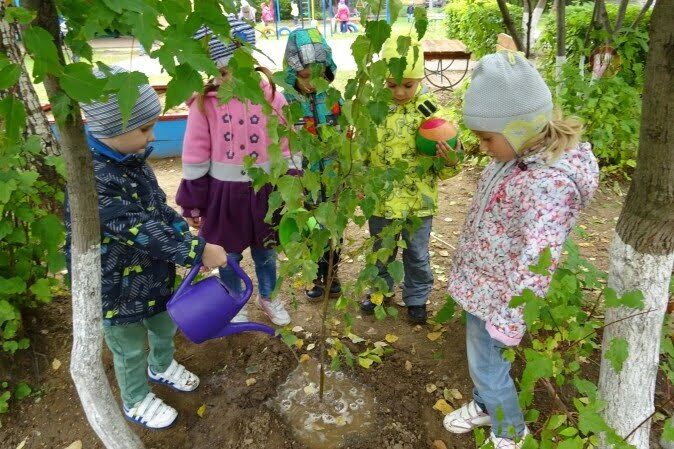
(204, 310)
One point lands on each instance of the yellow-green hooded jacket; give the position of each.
(416, 195)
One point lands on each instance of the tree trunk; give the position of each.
(86, 365)
(510, 25)
(642, 253)
(561, 42)
(36, 120)
(530, 21)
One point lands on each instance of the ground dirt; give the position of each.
(238, 415)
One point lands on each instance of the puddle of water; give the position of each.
(347, 406)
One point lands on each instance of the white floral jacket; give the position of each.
(516, 213)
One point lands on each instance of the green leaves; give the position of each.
(633, 300)
(40, 44)
(14, 114)
(80, 84)
(544, 263)
(420, 22)
(185, 82)
(377, 32)
(360, 49)
(9, 73)
(397, 68)
(447, 311)
(617, 353)
(125, 86)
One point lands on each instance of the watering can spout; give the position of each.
(237, 328)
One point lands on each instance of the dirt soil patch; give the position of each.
(237, 413)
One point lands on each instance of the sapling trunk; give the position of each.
(326, 295)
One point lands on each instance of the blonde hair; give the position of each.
(214, 84)
(559, 135)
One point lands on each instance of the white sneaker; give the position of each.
(176, 376)
(274, 310)
(152, 413)
(466, 418)
(507, 443)
(242, 316)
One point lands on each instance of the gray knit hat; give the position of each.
(105, 119)
(508, 96)
(220, 52)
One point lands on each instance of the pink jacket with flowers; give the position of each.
(516, 213)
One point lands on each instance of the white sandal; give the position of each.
(152, 413)
(176, 376)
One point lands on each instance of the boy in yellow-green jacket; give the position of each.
(417, 195)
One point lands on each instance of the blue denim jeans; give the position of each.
(494, 390)
(265, 269)
(416, 260)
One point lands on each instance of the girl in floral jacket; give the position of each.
(528, 199)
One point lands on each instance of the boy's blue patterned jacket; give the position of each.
(142, 238)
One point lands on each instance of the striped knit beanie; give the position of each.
(507, 96)
(104, 119)
(221, 53)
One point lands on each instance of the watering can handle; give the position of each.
(244, 277)
(232, 263)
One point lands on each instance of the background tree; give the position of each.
(642, 252)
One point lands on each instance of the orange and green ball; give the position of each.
(435, 130)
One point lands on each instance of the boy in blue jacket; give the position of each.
(142, 240)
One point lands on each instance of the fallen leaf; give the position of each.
(310, 346)
(456, 394)
(408, 366)
(77, 444)
(55, 364)
(439, 444)
(391, 338)
(22, 444)
(304, 358)
(443, 407)
(380, 344)
(444, 253)
(310, 389)
(299, 343)
(298, 329)
(432, 336)
(355, 338)
(201, 410)
(251, 381)
(430, 388)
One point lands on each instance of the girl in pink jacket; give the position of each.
(216, 193)
(528, 199)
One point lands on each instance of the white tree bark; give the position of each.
(86, 367)
(536, 15)
(629, 393)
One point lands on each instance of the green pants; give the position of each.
(127, 343)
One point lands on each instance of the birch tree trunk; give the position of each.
(530, 28)
(561, 42)
(642, 252)
(86, 365)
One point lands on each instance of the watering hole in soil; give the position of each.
(347, 407)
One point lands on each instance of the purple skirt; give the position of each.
(232, 212)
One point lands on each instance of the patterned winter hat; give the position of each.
(221, 53)
(104, 119)
(508, 96)
(307, 46)
(415, 66)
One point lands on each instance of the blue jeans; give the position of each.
(265, 269)
(494, 390)
(343, 27)
(416, 260)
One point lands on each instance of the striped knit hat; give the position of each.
(104, 119)
(221, 53)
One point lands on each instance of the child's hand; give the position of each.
(448, 154)
(213, 256)
(194, 222)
